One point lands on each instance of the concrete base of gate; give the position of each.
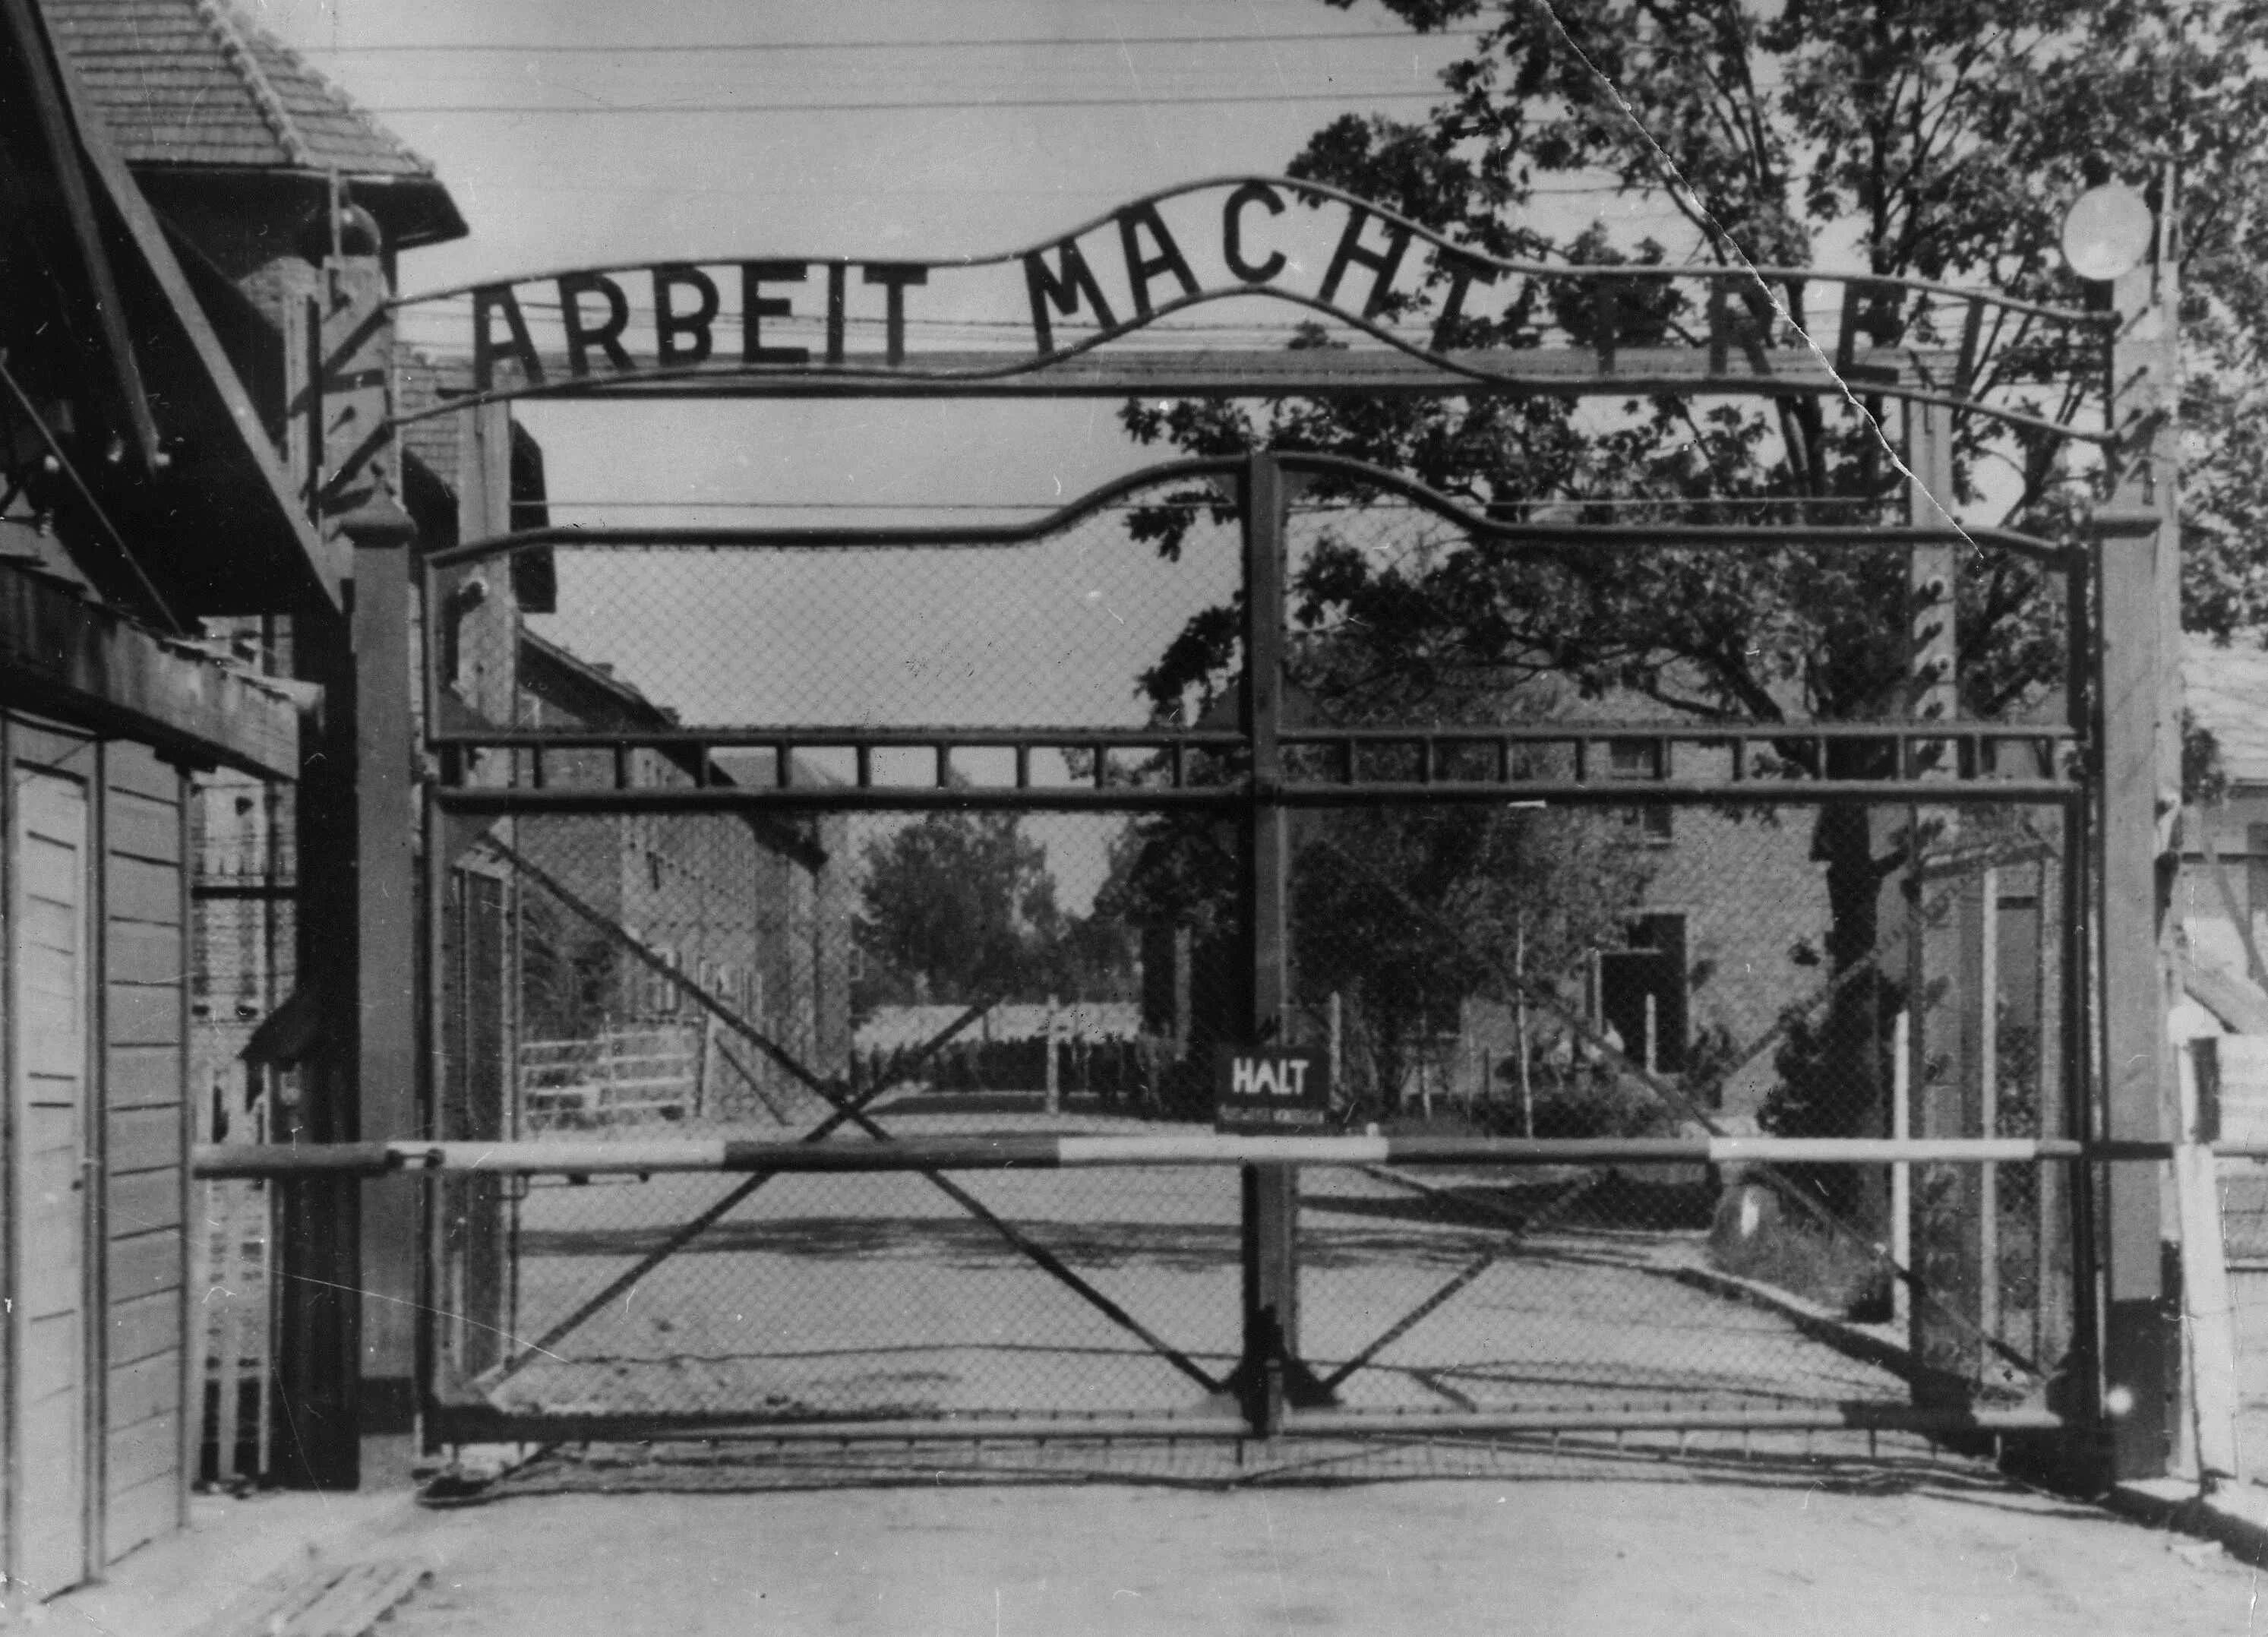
(1301, 1388)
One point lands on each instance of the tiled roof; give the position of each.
(191, 82)
(421, 383)
(2227, 692)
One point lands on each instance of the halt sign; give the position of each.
(1271, 1089)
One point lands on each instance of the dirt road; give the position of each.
(1634, 1548)
(877, 1295)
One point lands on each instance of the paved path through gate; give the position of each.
(875, 1294)
(1639, 1548)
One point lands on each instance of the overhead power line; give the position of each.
(546, 47)
(514, 110)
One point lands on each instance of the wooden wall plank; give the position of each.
(144, 1201)
(143, 1014)
(147, 1449)
(138, 890)
(143, 827)
(135, 768)
(139, 952)
(144, 1265)
(142, 1077)
(140, 1515)
(143, 1140)
(144, 1326)
(145, 1390)
(49, 745)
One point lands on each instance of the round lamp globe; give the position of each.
(2107, 231)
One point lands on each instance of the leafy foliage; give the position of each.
(1914, 138)
(1403, 912)
(1930, 140)
(961, 906)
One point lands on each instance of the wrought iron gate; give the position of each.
(1620, 1039)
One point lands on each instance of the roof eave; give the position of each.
(414, 209)
(320, 565)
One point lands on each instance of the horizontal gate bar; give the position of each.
(851, 798)
(1303, 792)
(929, 735)
(1046, 1153)
(484, 1423)
(1861, 1415)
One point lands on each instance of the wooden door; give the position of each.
(49, 1010)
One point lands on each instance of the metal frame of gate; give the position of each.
(1938, 763)
(1245, 773)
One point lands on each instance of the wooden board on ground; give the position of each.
(336, 1600)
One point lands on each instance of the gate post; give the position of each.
(2137, 570)
(1270, 1371)
(1946, 1000)
(350, 1327)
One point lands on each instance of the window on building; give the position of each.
(1647, 759)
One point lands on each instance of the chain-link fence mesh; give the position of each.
(2244, 1241)
(1398, 615)
(936, 974)
(1510, 969)
(1522, 972)
(1059, 629)
(2243, 1206)
(1576, 974)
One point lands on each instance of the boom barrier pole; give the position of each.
(1041, 1151)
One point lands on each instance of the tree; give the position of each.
(961, 907)
(948, 907)
(1406, 912)
(1403, 912)
(1928, 139)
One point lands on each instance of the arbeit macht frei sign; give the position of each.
(1367, 292)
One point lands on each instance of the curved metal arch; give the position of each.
(1322, 191)
(1538, 536)
(1525, 536)
(881, 537)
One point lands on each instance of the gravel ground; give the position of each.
(876, 1294)
(1521, 1542)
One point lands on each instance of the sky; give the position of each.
(821, 136)
(594, 185)
(784, 175)
(577, 134)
